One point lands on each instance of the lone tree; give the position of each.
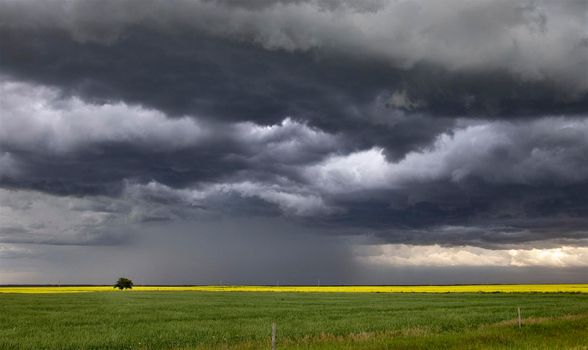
(124, 283)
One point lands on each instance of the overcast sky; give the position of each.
(287, 141)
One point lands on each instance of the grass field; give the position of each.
(242, 320)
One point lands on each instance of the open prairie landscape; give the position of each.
(306, 317)
(293, 174)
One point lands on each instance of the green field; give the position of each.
(238, 320)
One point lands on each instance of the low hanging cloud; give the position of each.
(435, 255)
(28, 217)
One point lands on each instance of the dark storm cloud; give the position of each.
(462, 122)
(484, 184)
(225, 61)
(64, 145)
(223, 80)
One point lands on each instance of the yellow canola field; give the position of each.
(514, 288)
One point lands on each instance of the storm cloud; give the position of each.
(371, 134)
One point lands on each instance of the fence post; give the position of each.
(274, 328)
(519, 312)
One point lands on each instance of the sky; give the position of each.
(293, 141)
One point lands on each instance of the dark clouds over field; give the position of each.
(354, 135)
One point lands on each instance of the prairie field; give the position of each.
(345, 318)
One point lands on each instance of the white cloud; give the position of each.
(360, 170)
(287, 142)
(548, 150)
(286, 130)
(40, 118)
(435, 255)
(291, 200)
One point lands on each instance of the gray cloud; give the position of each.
(548, 151)
(33, 218)
(484, 58)
(37, 118)
(510, 182)
(8, 166)
(118, 142)
(393, 122)
(531, 39)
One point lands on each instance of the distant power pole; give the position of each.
(318, 282)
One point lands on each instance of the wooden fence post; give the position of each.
(519, 312)
(274, 329)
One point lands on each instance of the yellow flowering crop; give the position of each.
(516, 288)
